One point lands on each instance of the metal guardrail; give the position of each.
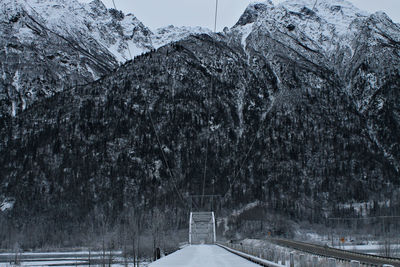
(251, 258)
(339, 254)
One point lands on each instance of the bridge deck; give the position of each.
(201, 256)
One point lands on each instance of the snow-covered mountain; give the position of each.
(296, 106)
(359, 50)
(49, 45)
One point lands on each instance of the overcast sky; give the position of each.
(159, 13)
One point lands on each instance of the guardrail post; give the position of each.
(302, 260)
(283, 260)
(332, 262)
(355, 264)
(314, 261)
(291, 259)
(277, 256)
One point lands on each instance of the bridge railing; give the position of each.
(250, 254)
(275, 256)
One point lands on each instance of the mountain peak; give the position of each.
(330, 10)
(253, 11)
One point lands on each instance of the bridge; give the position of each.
(202, 228)
(203, 250)
(239, 256)
(203, 256)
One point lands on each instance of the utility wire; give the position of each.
(216, 15)
(129, 50)
(249, 150)
(208, 119)
(315, 4)
(174, 182)
(208, 140)
(364, 218)
(255, 137)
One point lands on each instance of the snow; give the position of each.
(114, 49)
(328, 25)
(365, 247)
(62, 254)
(124, 37)
(49, 263)
(201, 256)
(169, 34)
(373, 249)
(7, 204)
(246, 30)
(245, 208)
(335, 12)
(94, 75)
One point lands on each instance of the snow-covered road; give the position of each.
(202, 256)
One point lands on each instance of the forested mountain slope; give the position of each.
(294, 106)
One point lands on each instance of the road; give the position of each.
(201, 256)
(337, 253)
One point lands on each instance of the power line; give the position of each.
(259, 128)
(248, 151)
(216, 15)
(174, 182)
(315, 4)
(208, 140)
(363, 218)
(127, 42)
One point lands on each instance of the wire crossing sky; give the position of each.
(159, 13)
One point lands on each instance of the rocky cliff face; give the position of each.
(50, 46)
(360, 51)
(296, 106)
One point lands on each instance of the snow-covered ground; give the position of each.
(79, 258)
(62, 263)
(373, 249)
(202, 256)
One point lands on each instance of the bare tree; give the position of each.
(133, 229)
(157, 219)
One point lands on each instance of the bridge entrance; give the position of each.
(202, 219)
(202, 228)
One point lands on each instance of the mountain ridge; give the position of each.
(275, 115)
(82, 41)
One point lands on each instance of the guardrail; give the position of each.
(340, 255)
(271, 255)
(252, 258)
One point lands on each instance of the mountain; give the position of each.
(295, 107)
(360, 49)
(49, 46)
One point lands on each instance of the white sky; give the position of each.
(159, 13)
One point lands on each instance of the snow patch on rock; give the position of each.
(7, 204)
